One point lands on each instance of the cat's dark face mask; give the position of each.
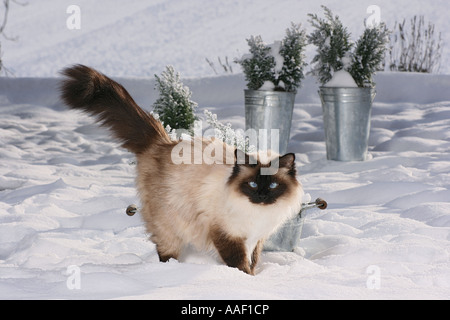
(264, 183)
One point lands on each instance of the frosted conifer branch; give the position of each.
(281, 63)
(174, 105)
(335, 51)
(227, 134)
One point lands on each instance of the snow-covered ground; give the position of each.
(64, 187)
(138, 38)
(65, 184)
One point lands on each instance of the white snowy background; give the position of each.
(65, 184)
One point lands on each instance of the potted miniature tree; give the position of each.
(345, 71)
(174, 107)
(273, 74)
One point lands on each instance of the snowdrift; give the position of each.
(65, 184)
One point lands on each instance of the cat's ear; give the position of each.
(287, 161)
(240, 157)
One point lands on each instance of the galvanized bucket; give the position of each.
(346, 117)
(287, 238)
(270, 110)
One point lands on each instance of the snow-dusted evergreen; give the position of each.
(280, 63)
(332, 40)
(336, 51)
(174, 105)
(227, 134)
(292, 51)
(175, 110)
(369, 55)
(258, 65)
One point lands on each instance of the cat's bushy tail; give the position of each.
(94, 93)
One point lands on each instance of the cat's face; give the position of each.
(264, 184)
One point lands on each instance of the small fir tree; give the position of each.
(174, 105)
(369, 55)
(281, 63)
(335, 51)
(333, 43)
(227, 134)
(258, 66)
(292, 51)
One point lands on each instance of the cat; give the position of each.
(229, 207)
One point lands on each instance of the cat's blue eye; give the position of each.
(253, 184)
(273, 185)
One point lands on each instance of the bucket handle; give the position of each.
(319, 203)
(374, 93)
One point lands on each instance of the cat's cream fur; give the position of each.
(198, 205)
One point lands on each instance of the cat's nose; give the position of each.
(262, 197)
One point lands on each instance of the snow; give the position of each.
(275, 52)
(341, 78)
(65, 183)
(267, 86)
(138, 38)
(65, 186)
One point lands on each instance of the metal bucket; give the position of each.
(287, 237)
(270, 110)
(346, 117)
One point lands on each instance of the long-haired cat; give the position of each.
(229, 207)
